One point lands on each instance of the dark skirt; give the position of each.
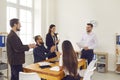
(69, 77)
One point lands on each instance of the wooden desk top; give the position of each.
(35, 68)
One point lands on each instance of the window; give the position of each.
(27, 3)
(12, 1)
(22, 9)
(12, 14)
(26, 20)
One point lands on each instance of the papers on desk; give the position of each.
(44, 63)
(55, 68)
(80, 59)
(80, 44)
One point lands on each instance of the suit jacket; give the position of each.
(50, 42)
(41, 53)
(15, 49)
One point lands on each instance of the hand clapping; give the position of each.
(52, 49)
(31, 45)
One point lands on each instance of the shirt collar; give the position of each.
(90, 33)
(39, 44)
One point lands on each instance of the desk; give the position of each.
(47, 73)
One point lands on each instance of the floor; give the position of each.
(106, 76)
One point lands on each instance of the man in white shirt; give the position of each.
(88, 43)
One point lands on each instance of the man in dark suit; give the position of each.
(16, 49)
(40, 52)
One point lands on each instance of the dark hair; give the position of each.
(36, 38)
(14, 21)
(89, 24)
(69, 58)
(50, 27)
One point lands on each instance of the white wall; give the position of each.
(37, 17)
(48, 15)
(2, 15)
(72, 15)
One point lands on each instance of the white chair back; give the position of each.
(91, 65)
(28, 76)
(88, 74)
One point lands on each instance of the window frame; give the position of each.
(18, 8)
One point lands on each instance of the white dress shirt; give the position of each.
(88, 40)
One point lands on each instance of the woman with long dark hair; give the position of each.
(69, 61)
(52, 39)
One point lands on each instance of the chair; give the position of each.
(88, 74)
(90, 67)
(28, 76)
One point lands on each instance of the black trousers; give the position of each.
(15, 69)
(88, 55)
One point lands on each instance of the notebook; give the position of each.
(55, 68)
(44, 63)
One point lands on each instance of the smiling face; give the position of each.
(53, 29)
(89, 28)
(15, 24)
(18, 26)
(39, 40)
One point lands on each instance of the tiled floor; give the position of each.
(106, 76)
